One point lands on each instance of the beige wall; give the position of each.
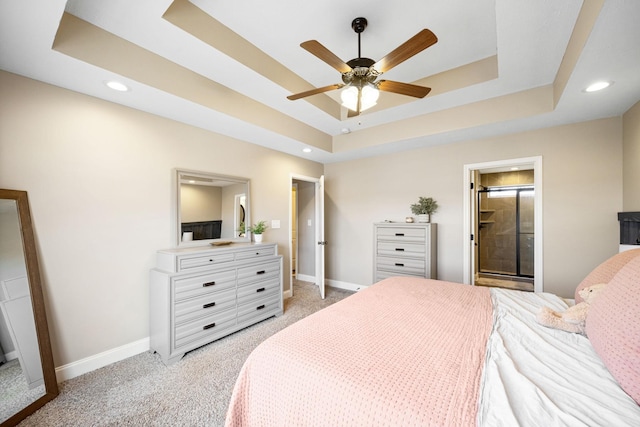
(582, 192)
(631, 150)
(200, 203)
(99, 178)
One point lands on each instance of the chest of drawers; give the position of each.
(198, 295)
(404, 249)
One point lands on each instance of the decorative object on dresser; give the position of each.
(424, 208)
(200, 294)
(404, 249)
(257, 230)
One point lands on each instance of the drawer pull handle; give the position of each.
(257, 253)
(398, 264)
(204, 285)
(210, 260)
(260, 307)
(204, 328)
(400, 249)
(400, 234)
(260, 290)
(260, 272)
(211, 304)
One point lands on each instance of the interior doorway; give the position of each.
(503, 224)
(306, 233)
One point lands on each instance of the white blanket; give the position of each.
(536, 376)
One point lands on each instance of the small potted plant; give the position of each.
(424, 208)
(257, 229)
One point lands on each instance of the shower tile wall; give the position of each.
(497, 251)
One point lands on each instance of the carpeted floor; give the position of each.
(15, 393)
(142, 391)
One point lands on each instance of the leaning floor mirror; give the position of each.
(27, 372)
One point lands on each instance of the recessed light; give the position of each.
(306, 150)
(594, 87)
(120, 87)
(345, 130)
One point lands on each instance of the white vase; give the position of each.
(423, 218)
(257, 238)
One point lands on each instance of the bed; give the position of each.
(409, 351)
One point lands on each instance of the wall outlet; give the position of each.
(308, 223)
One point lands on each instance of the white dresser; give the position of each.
(404, 249)
(200, 294)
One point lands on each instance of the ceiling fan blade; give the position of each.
(314, 91)
(403, 88)
(406, 50)
(315, 48)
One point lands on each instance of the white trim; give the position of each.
(345, 285)
(287, 294)
(100, 360)
(306, 278)
(536, 162)
(11, 355)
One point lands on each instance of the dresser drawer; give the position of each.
(258, 272)
(202, 261)
(400, 234)
(263, 307)
(197, 285)
(258, 290)
(205, 305)
(402, 265)
(202, 327)
(255, 252)
(401, 249)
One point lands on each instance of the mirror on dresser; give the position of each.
(209, 207)
(27, 373)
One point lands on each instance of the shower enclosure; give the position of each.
(506, 231)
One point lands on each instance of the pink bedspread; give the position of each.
(405, 351)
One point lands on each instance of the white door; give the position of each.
(320, 235)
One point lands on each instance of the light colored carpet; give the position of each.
(14, 390)
(142, 391)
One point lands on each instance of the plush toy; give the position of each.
(573, 318)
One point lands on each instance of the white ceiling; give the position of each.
(528, 37)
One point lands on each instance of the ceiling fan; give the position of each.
(359, 75)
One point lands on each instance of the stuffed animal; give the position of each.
(573, 318)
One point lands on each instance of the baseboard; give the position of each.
(10, 356)
(344, 285)
(306, 278)
(333, 283)
(75, 369)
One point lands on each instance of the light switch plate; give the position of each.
(275, 223)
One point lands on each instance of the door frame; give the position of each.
(317, 217)
(468, 222)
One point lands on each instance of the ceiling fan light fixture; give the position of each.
(368, 97)
(349, 97)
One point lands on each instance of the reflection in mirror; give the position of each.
(209, 208)
(27, 375)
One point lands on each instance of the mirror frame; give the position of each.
(37, 300)
(176, 222)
